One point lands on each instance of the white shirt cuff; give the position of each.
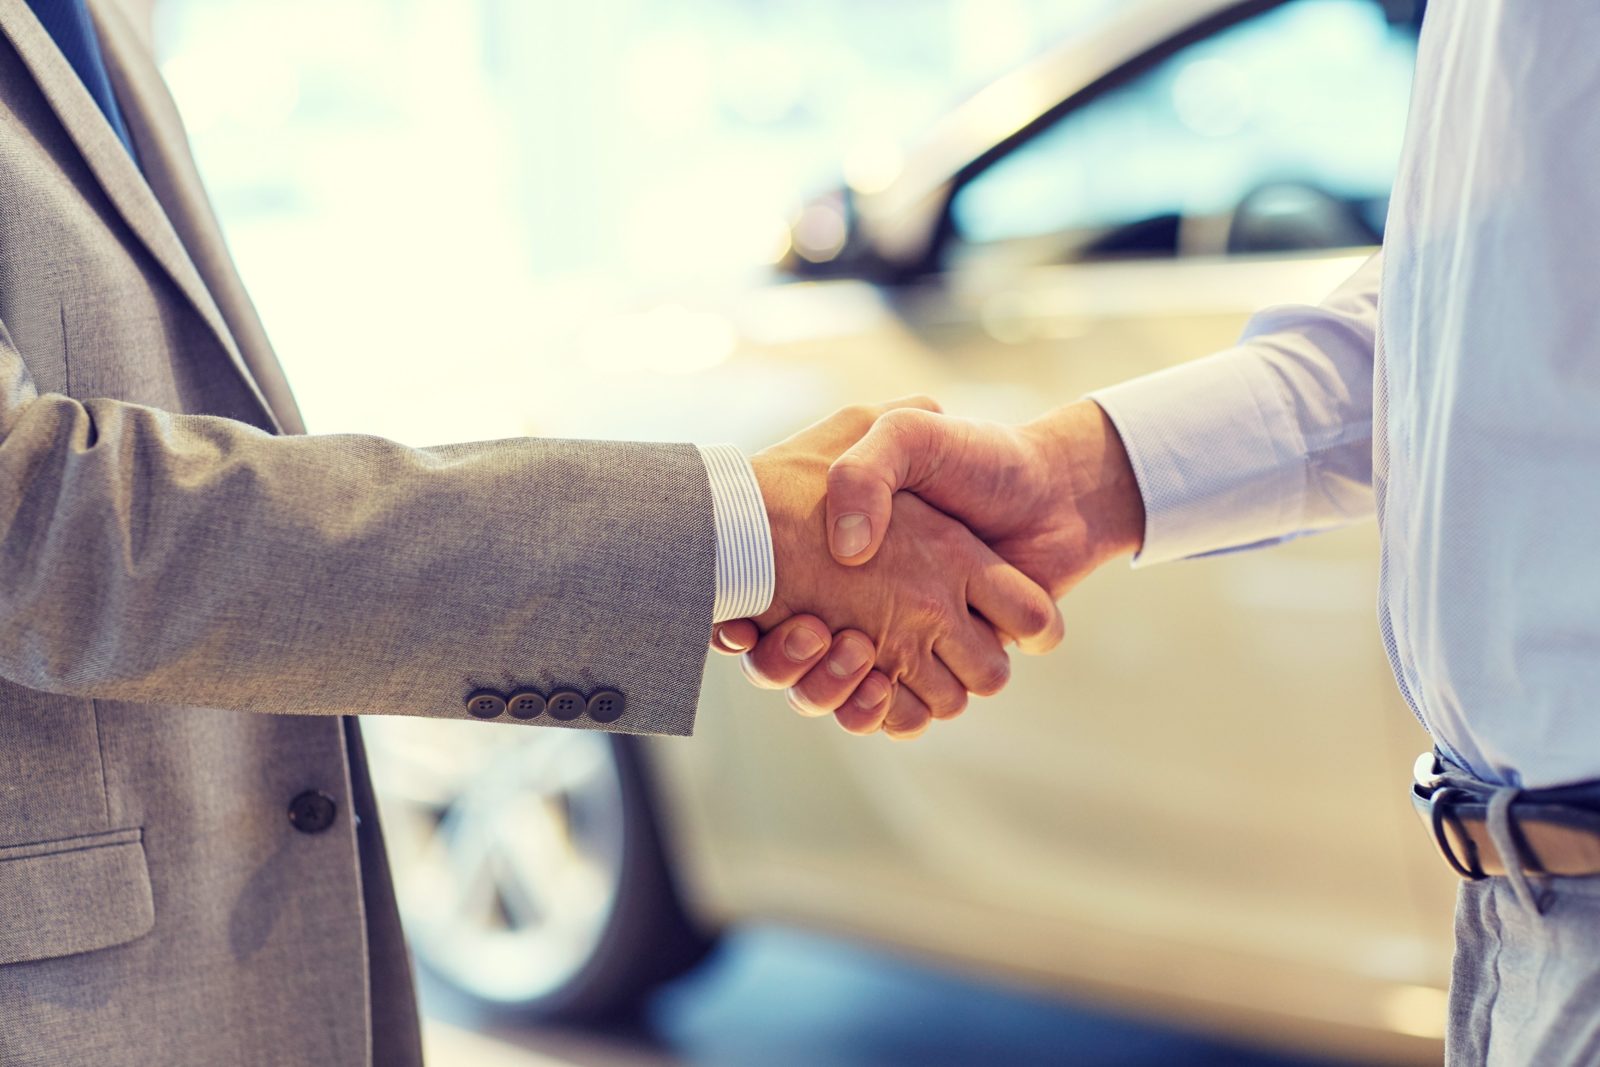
(1216, 449)
(745, 570)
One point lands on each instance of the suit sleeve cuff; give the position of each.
(1213, 444)
(745, 570)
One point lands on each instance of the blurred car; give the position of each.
(1195, 809)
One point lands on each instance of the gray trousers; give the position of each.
(1525, 988)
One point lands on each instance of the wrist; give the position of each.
(1092, 480)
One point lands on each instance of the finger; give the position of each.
(1015, 605)
(976, 657)
(920, 401)
(938, 690)
(908, 716)
(786, 652)
(734, 637)
(867, 707)
(900, 448)
(830, 683)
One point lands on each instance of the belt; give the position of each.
(1556, 831)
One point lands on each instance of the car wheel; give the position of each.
(528, 865)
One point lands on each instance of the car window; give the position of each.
(1283, 130)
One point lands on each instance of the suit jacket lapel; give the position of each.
(158, 134)
(117, 174)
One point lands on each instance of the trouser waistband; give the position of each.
(1485, 830)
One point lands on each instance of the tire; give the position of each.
(529, 867)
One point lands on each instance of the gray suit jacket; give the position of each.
(193, 595)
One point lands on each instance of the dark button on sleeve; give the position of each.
(606, 706)
(312, 812)
(485, 704)
(565, 705)
(525, 704)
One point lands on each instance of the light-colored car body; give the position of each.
(1195, 808)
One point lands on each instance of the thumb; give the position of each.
(900, 449)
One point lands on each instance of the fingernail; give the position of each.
(871, 693)
(850, 656)
(801, 644)
(851, 533)
(721, 638)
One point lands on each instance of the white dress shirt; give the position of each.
(1458, 397)
(745, 576)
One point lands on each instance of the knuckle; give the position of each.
(849, 469)
(914, 402)
(1037, 616)
(896, 654)
(949, 704)
(945, 699)
(934, 610)
(953, 541)
(993, 678)
(858, 412)
(859, 416)
(903, 422)
(1047, 641)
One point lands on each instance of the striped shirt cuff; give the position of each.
(745, 571)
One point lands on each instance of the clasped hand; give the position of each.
(911, 548)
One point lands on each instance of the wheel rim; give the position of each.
(507, 849)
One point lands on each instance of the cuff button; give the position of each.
(606, 706)
(525, 704)
(565, 705)
(312, 812)
(486, 704)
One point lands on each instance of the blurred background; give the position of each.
(1183, 838)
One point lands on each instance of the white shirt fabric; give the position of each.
(745, 572)
(1452, 386)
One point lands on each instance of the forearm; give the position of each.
(188, 560)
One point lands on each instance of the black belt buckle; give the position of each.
(1426, 784)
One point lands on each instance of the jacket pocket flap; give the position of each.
(58, 898)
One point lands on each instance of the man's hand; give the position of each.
(1055, 497)
(825, 673)
(931, 602)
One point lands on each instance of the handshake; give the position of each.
(912, 548)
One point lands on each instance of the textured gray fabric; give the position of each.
(1526, 986)
(171, 568)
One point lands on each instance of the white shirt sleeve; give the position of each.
(745, 570)
(1262, 442)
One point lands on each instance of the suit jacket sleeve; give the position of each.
(1263, 442)
(192, 560)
